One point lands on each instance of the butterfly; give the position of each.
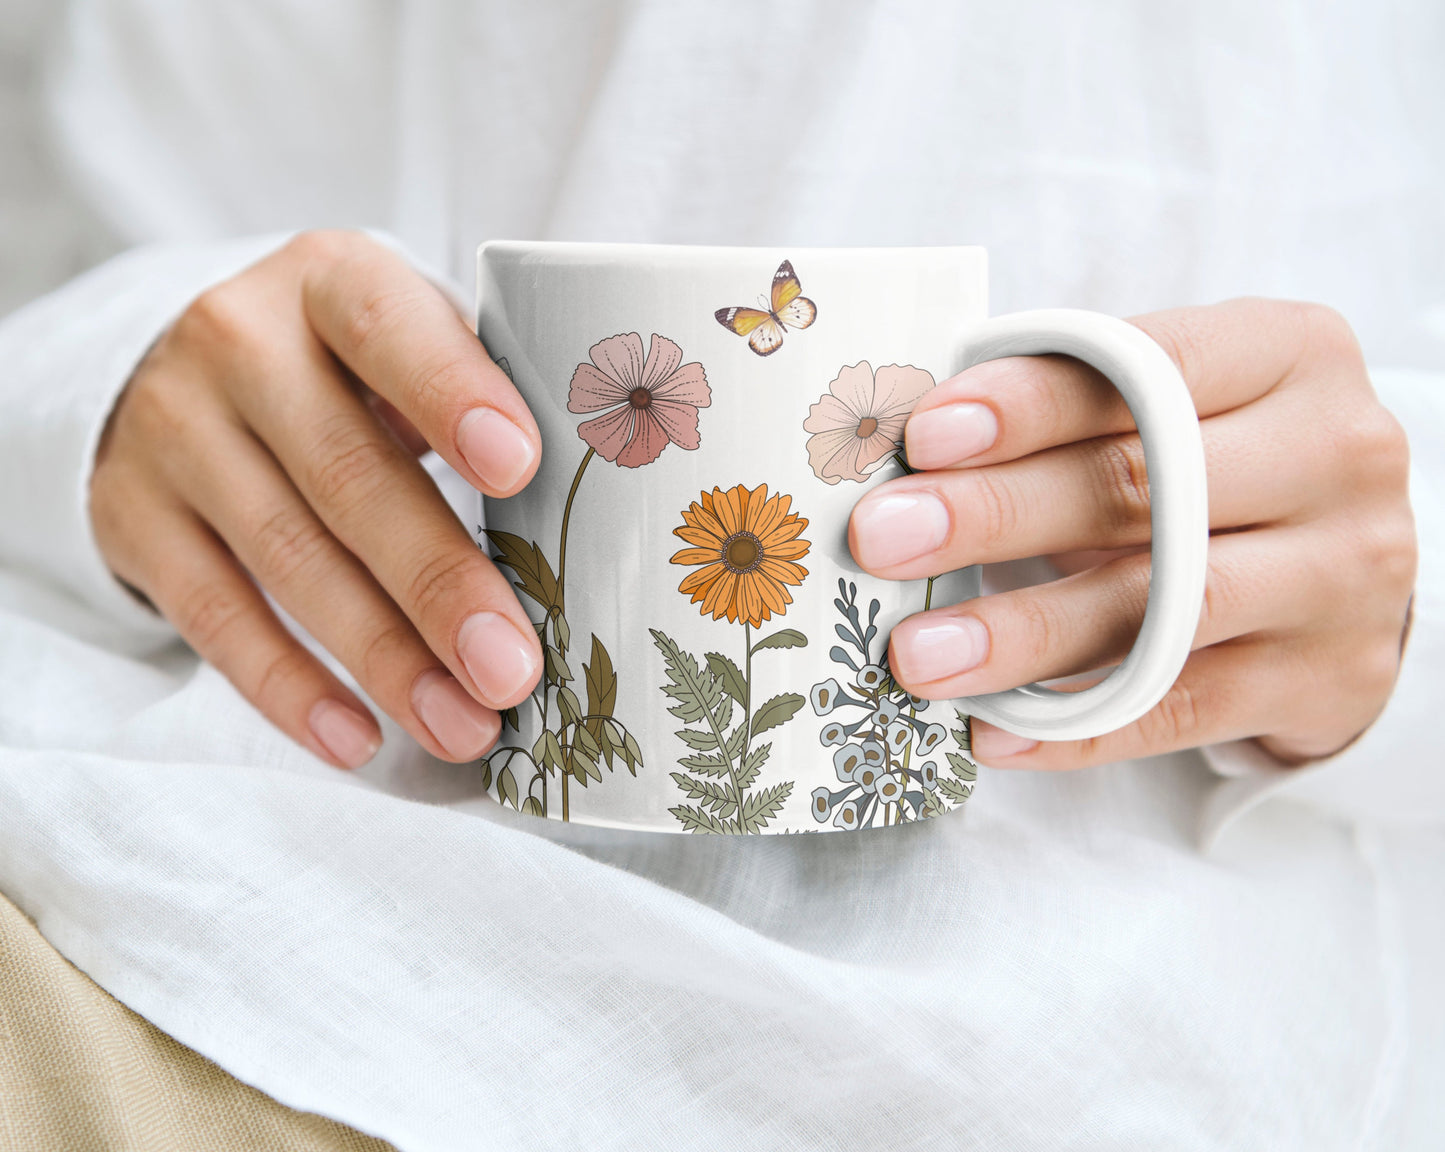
(764, 326)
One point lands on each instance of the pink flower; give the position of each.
(648, 402)
(858, 424)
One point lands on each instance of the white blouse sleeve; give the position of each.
(64, 360)
(1396, 770)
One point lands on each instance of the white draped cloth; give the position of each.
(1076, 960)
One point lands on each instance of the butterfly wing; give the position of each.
(763, 332)
(767, 337)
(790, 306)
(798, 312)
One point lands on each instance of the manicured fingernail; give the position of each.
(498, 451)
(991, 744)
(932, 651)
(344, 732)
(502, 662)
(942, 436)
(461, 725)
(891, 529)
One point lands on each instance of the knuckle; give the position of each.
(1392, 554)
(1044, 631)
(349, 461)
(204, 613)
(1327, 332)
(289, 542)
(1181, 341)
(436, 387)
(1175, 720)
(224, 316)
(1223, 599)
(376, 312)
(383, 653)
(324, 245)
(1123, 481)
(441, 577)
(1378, 449)
(280, 676)
(996, 505)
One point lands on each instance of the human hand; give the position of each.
(1312, 551)
(274, 430)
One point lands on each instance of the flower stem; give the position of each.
(566, 517)
(747, 688)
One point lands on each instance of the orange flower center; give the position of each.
(866, 427)
(741, 552)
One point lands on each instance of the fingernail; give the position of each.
(502, 662)
(461, 725)
(892, 529)
(991, 744)
(927, 652)
(498, 451)
(343, 732)
(938, 437)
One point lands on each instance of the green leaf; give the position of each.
(953, 789)
(696, 820)
(510, 719)
(507, 787)
(697, 692)
(708, 764)
(787, 638)
(539, 749)
(963, 737)
(633, 752)
(778, 710)
(532, 806)
(557, 669)
(601, 683)
(553, 750)
(534, 574)
(486, 774)
(752, 765)
(726, 671)
(762, 806)
(568, 705)
(963, 769)
(716, 797)
(735, 741)
(587, 742)
(702, 741)
(561, 631)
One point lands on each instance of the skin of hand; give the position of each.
(1312, 550)
(269, 441)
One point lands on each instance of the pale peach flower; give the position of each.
(858, 424)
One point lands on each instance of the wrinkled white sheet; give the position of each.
(1059, 966)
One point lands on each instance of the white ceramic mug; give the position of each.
(715, 660)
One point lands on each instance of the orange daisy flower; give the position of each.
(748, 544)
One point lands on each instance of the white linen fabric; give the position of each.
(1059, 965)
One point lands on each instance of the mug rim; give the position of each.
(672, 252)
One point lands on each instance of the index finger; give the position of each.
(404, 340)
(1229, 355)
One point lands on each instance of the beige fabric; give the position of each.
(80, 1072)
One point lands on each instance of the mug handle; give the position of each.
(1163, 412)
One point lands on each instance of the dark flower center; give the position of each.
(866, 427)
(641, 398)
(741, 552)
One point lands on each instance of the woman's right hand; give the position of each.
(271, 438)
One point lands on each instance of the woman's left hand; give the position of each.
(1311, 558)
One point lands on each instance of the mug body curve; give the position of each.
(715, 661)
